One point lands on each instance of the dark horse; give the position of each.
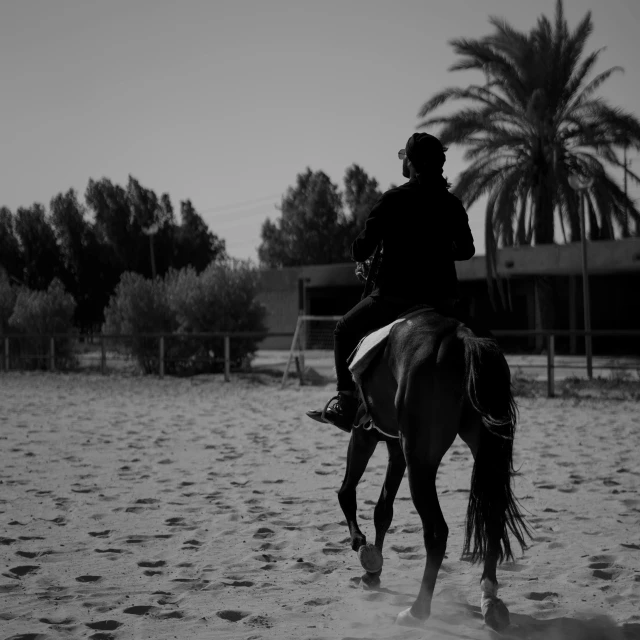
(436, 379)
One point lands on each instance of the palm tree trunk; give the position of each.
(543, 234)
(545, 311)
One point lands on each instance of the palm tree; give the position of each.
(535, 121)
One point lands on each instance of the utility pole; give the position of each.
(582, 185)
(151, 231)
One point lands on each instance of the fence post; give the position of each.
(227, 358)
(52, 354)
(103, 355)
(161, 367)
(6, 354)
(293, 346)
(551, 348)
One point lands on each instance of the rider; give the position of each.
(422, 229)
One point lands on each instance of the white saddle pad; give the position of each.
(367, 349)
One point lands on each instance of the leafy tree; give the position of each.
(110, 206)
(89, 267)
(195, 244)
(10, 253)
(11, 257)
(312, 228)
(360, 194)
(42, 258)
(7, 301)
(533, 122)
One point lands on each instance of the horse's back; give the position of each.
(420, 376)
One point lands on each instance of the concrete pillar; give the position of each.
(573, 314)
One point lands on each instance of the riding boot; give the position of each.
(340, 411)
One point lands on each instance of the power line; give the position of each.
(240, 204)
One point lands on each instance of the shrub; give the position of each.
(37, 315)
(7, 301)
(222, 298)
(139, 306)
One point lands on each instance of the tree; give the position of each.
(312, 228)
(533, 123)
(360, 194)
(10, 253)
(40, 251)
(110, 206)
(195, 244)
(90, 275)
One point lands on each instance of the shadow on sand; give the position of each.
(524, 627)
(596, 627)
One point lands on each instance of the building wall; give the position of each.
(614, 278)
(279, 294)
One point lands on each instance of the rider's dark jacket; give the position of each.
(423, 229)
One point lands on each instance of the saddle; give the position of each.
(363, 356)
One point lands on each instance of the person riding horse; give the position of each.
(417, 231)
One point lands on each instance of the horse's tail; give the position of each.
(493, 510)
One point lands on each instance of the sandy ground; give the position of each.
(138, 508)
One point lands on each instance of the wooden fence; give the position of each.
(226, 337)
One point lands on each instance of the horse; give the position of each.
(434, 379)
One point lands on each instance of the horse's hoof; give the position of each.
(371, 579)
(370, 558)
(495, 613)
(407, 619)
(357, 542)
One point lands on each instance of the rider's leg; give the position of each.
(370, 313)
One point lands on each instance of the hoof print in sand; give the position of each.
(174, 522)
(539, 596)
(23, 570)
(139, 610)
(232, 616)
(238, 583)
(88, 578)
(57, 620)
(104, 625)
(604, 575)
(192, 543)
(263, 532)
(151, 564)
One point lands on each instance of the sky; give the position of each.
(225, 102)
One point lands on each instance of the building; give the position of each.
(614, 280)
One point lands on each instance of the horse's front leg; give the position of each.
(361, 448)
(383, 513)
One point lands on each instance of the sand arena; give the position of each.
(134, 507)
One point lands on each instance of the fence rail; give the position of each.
(43, 348)
(105, 347)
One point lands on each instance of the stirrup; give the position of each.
(326, 406)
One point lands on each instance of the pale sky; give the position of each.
(225, 102)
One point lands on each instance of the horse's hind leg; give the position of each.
(422, 481)
(361, 447)
(383, 513)
(494, 611)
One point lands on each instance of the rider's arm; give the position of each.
(463, 247)
(365, 244)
